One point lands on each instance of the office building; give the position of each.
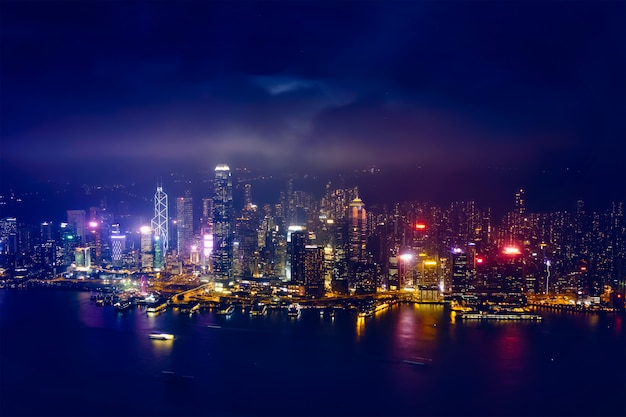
(223, 214)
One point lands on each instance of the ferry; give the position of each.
(122, 305)
(156, 307)
(227, 311)
(293, 310)
(498, 316)
(161, 336)
(190, 308)
(258, 310)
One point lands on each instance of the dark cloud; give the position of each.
(455, 85)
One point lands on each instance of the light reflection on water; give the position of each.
(481, 362)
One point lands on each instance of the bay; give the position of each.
(61, 355)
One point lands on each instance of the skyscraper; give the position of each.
(358, 231)
(159, 221)
(314, 270)
(222, 224)
(76, 220)
(184, 225)
(460, 281)
(298, 250)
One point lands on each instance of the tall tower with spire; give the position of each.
(160, 224)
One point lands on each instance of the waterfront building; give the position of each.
(299, 242)
(460, 273)
(223, 214)
(82, 259)
(314, 270)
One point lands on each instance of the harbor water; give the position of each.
(61, 355)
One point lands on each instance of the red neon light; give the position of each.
(479, 260)
(420, 226)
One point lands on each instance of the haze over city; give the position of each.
(449, 97)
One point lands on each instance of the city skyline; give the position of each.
(480, 95)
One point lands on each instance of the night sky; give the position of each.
(531, 91)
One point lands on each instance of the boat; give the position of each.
(122, 305)
(161, 336)
(498, 316)
(258, 310)
(227, 311)
(156, 307)
(293, 310)
(327, 312)
(190, 308)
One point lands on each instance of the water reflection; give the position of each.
(88, 314)
(162, 347)
(360, 326)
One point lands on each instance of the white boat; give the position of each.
(293, 310)
(161, 336)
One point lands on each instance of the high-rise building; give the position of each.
(8, 240)
(314, 270)
(357, 237)
(223, 213)
(460, 276)
(118, 246)
(76, 221)
(298, 255)
(160, 220)
(184, 225)
(147, 251)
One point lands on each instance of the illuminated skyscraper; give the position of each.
(159, 221)
(314, 270)
(298, 249)
(460, 276)
(358, 232)
(147, 255)
(184, 225)
(222, 224)
(118, 247)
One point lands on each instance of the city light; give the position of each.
(406, 257)
(479, 260)
(512, 250)
(420, 226)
